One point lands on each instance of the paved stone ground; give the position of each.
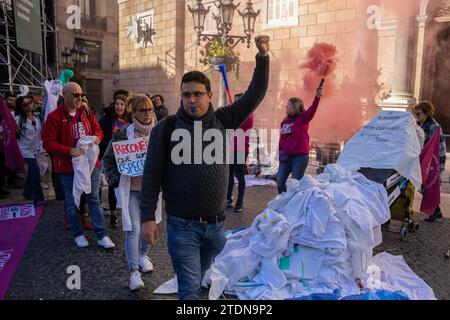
(42, 271)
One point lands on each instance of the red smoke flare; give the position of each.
(321, 59)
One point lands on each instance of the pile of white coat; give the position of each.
(318, 237)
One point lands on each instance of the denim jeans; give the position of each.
(95, 209)
(135, 244)
(32, 189)
(238, 171)
(295, 164)
(192, 247)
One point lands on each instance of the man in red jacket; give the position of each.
(62, 130)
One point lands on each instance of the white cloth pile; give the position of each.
(83, 166)
(316, 238)
(395, 142)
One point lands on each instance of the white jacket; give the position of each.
(30, 142)
(123, 194)
(83, 166)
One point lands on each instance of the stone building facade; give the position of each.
(389, 55)
(99, 33)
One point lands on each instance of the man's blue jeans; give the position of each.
(295, 164)
(192, 246)
(95, 209)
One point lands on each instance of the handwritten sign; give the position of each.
(130, 156)
(16, 212)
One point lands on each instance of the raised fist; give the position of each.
(262, 43)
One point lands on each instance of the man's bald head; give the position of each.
(70, 87)
(72, 95)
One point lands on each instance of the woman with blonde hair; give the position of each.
(128, 188)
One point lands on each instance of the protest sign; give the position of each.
(130, 156)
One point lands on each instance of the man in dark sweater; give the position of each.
(195, 194)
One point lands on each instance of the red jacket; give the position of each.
(57, 136)
(294, 136)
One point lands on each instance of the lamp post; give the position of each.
(224, 22)
(76, 60)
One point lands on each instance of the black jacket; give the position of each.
(161, 113)
(196, 190)
(106, 123)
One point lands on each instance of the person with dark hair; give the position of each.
(29, 129)
(10, 101)
(160, 109)
(237, 168)
(120, 92)
(115, 119)
(294, 140)
(424, 112)
(64, 127)
(195, 191)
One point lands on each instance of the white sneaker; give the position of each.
(136, 281)
(81, 242)
(145, 264)
(106, 243)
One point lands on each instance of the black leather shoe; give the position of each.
(238, 208)
(434, 216)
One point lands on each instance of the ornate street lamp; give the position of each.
(226, 13)
(249, 18)
(199, 13)
(224, 22)
(75, 51)
(84, 55)
(66, 55)
(222, 39)
(75, 58)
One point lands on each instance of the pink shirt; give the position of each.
(294, 136)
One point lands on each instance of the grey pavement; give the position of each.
(42, 273)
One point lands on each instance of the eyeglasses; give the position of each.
(78, 95)
(144, 111)
(196, 94)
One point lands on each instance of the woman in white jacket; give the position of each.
(128, 188)
(29, 129)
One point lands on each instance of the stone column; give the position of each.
(421, 19)
(401, 98)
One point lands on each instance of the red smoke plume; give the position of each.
(321, 59)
